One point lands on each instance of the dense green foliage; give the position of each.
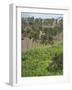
(43, 61)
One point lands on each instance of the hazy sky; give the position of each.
(41, 15)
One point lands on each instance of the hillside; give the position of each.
(42, 47)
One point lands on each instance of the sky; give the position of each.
(41, 15)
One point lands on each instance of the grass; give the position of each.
(42, 61)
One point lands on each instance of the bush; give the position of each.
(37, 61)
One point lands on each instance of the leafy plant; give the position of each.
(42, 61)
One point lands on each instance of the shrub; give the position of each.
(43, 61)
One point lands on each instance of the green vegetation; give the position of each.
(43, 61)
(47, 58)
